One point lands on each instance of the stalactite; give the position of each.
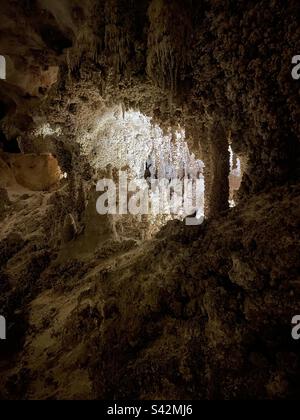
(170, 31)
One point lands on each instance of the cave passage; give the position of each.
(129, 142)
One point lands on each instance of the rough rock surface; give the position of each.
(198, 312)
(35, 172)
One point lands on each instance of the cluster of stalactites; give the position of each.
(171, 159)
(129, 139)
(168, 38)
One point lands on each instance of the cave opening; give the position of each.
(235, 177)
(128, 144)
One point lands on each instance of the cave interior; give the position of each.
(145, 306)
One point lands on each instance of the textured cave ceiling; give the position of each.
(218, 71)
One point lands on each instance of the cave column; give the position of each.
(217, 169)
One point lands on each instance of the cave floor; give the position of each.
(161, 319)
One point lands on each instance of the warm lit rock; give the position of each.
(35, 172)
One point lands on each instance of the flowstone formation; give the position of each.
(132, 306)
